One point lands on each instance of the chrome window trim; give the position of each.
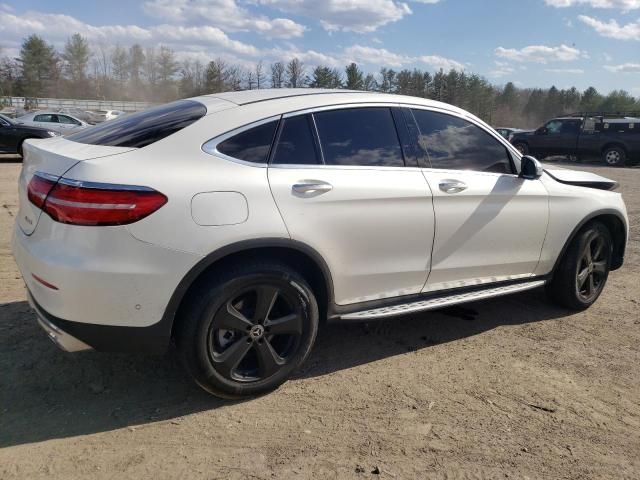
(211, 146)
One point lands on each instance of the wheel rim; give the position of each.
(255, 333)
(592, 268)
(612, 157)
(520, 148)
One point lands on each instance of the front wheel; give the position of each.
(584, 269)
(614, 156)
(248, 330)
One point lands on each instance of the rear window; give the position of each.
(252, 145)
(143, 128)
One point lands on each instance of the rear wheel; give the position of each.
(614, 156)
(248, 330)
(584, 269)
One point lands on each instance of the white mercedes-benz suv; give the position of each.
(232, 224)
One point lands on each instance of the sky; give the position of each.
(533, 43)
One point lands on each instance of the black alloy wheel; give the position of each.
(246, 329)
(255, 333)
(592, 270)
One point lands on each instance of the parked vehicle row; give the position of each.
(614, 138)
(231, 224)
(13, 134)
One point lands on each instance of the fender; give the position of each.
(165, 325)
(618, 259)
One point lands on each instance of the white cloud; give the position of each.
(624, 68)
(624, 5)
(383, 57)
(540, 54)
(612, 29)
(57, 28)
(226, 15)
(348, 15)
(378, 56)
(569, 71)
(502, 69)
(437, 62)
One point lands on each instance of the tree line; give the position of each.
(155, 74)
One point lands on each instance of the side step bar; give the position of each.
(440, 302)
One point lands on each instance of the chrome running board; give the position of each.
(440, 302)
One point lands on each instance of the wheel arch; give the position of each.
(298, 255)
(616, 224)
(612, 144)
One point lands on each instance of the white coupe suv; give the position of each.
(231, 224)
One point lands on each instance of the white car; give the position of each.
(233, 223)
(62, 123)
(103, 115)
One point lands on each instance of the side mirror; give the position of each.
(542, 131)
(530, 168)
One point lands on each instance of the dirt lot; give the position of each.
(504, 388)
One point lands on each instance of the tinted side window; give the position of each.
(143, 128)
(571, 127)
(252, 145)
(43, 118)
(65, 119)
(296, 144)
(454, 143)
(359, 136)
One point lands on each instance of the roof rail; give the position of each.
(634, 113)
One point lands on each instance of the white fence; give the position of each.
(55, 103)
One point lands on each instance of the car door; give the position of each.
(490, 223)
(558, 137)
(6, 138)
(348, 194)
(45, 120)
(66, 123)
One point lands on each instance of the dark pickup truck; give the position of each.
(615, 138)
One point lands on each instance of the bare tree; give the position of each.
(295, 74)
(277, 74)
(259, 75)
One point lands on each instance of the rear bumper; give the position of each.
(99, 287)
(62, 339)
(78, 337)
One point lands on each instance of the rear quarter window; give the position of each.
(143, 128)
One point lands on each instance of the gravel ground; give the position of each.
(507, 388)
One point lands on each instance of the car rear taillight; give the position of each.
(93, 204)
(38, 189)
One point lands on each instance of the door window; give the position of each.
(296, 144)
(553, 127)
(47, 117)
(66, 120)
(454, 143)
(359, 136)
(252, 145)
(571, 127)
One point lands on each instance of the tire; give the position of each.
(227, 341)
(583, 271)
(523, 148)
(614, 156)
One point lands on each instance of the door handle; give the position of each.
(311, 188)
(452, 186)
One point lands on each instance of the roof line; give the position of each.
(306, 93)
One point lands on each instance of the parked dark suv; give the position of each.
(615, 138)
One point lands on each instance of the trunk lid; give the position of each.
(53, 157)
